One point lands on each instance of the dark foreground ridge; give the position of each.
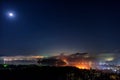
(35, 72)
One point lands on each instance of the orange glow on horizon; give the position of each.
(82, 66)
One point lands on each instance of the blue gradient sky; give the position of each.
(50, 27)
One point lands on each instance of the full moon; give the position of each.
(11, 14)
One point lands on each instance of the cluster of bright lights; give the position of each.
(13, 58)
(83, 66)
(109, 59)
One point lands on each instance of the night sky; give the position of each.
(41, 27)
